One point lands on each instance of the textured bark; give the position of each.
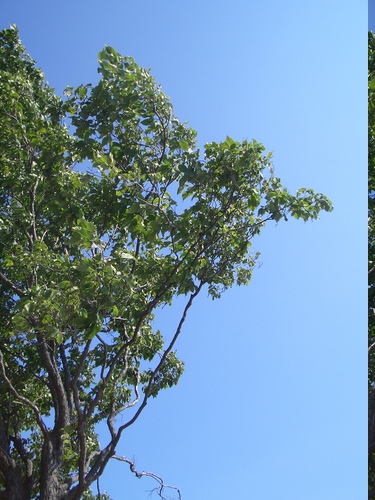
(17, 480)
(371, 421)
(15, 488)
(50, 486)
(371, 437)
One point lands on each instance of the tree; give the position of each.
(371, 257)
(89, 254)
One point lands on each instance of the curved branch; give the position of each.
(67, 378)
(24, 400)
(109, 451)
(18, 444)
(81, 364)
(134, 401)
(59, 396)
(162, 486)
(162, 360)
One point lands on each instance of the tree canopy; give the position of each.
(108, 211)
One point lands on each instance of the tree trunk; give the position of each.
(15, 488)
(50, 486)
(371, 421)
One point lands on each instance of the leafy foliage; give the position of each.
(88, 256)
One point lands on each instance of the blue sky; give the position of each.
(273, 402)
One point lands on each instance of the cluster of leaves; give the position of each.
(89, 255)
(371, 256)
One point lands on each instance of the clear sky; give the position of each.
(273, 402)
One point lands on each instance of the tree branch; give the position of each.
(109, 451)
(57, 386)
(81, 437)
(26, 460)
(67, 378)
(162, 360)
(12, 286)
(32, 208)
(24, 400)
(162, 486)
(81, 362)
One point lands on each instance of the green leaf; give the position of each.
(184, 145)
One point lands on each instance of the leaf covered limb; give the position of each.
(108, 212)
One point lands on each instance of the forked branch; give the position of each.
(162, 486)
